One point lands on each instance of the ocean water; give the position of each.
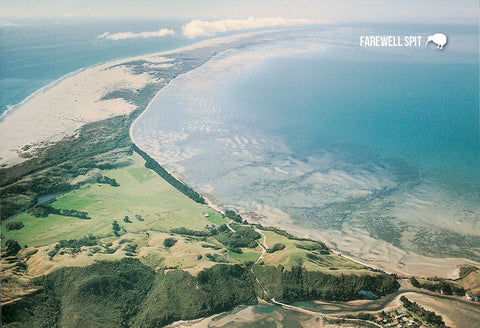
(313, 131)
(34, 53)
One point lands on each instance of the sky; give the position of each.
(341, 11)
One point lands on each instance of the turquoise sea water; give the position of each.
(425, 113)
(334, 136)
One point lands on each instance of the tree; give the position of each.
(275, 248)
(13, 225)
(415, 282)
(13, 247)
(116, 228)
(169, 242)
(233, 216)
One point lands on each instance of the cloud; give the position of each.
(5, 24)
(131, 35)
(198, 27)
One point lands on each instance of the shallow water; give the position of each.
(328, 135)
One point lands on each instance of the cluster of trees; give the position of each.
(314, 246)
(150, 163)
(107, 180)
(12, 247)
(227, 286)
(169, 242)
(85, 241)
(428, 316)
(13, 225)
(196, 233)
(44, 210)
(130, 249)
(301, 284)
(242, 237)
(233, 216)
(116, 228)
(439, 285)
(277, 247)
(74, 245)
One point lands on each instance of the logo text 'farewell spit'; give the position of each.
(439, 39)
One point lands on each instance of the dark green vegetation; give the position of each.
(44, 210)
(466, 270)
(12, 247)
(177, 295)
(72, 246)
(169, 242)
(127, 293)
(315, 246)
(183, 188)
(106, 294)
(13, 226)
(300, 284)
(107, 180)
(439, 285)
(243, 236)
(428, 316)
(196, 233)
(277, 247)
(467, 284)
(233, 216)
(217, 258)
(85, 241)
(116, 228)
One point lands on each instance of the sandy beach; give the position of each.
(59, 111)
(62, 107)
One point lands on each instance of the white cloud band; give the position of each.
(198, 27)
(5, 24)
(131, 35)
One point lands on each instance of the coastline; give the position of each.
(50, 85)
(218, 207)
(37, 122)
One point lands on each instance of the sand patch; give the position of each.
(59, 111)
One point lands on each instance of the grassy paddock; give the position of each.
(141, 193)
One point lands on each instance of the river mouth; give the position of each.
(364, 155)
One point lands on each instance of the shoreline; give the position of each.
(12, 108)
(210, 202)
(20, 142)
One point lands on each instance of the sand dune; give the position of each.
(56, 112)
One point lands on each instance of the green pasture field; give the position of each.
(141, 193)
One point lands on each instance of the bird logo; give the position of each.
(439, 39)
